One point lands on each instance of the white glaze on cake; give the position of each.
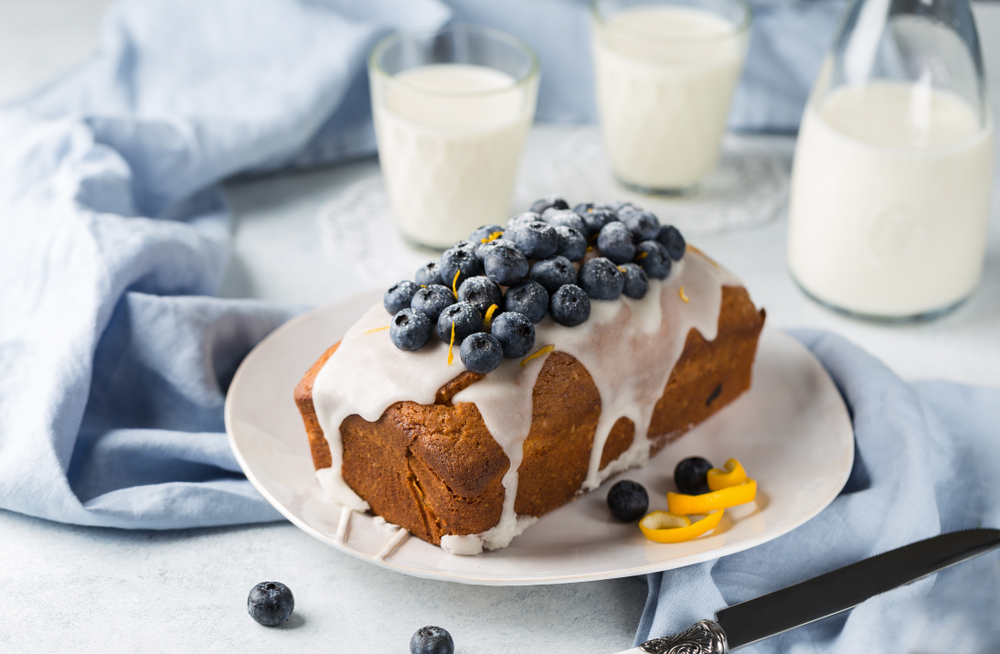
(629, 347)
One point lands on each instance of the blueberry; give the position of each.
(466, 319)
(483, 249)
(691, 475)
(553, 273)
(410, 330)
(583, 208)
(618, 205)
(550, 202)
(515, 333)
(615, 242)
(428, 274)
(601, 279)
(537, 240)
(653, 258)
(564, 218)
(485, 231)
(636, 281)
(522, 219)
(597, 218)
(528, 298)
(628, 500)
(270, 603)
(460, 257)
(570, 305)
(481, 352)
(572, 243)
(505, 264)
(398, 297)
(432, 300)
(643, 225)
(481, 293)
(672, 239)
(432, 640)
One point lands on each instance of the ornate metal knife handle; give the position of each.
(705, 637)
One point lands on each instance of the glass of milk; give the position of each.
(892, 177)
(452, 109)
(665, 73)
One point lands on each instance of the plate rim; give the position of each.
(469, 578)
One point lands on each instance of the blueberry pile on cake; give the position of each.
(524, 367)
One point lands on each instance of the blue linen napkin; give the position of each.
(927, 462)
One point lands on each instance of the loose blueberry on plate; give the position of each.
(653, 258)
(601, 279)
(564, 218)
(398, 297)
(466, 319)
(537, 240)
(505, 264)
(270, 603)
(410, 330)
(528, 298)
(691, 475)
(572, 243)
(432, 640)
(570, 305)
(553, 273)
(672, 239)
(636, 281)
(549, 202)
(597, 218)
(428, 274)
(460, 257)
(515, 333)
(480, 292)
(481, 352)
(432, 300)
(615, 242)
(643, 225)
(628, 500)
(485, 231)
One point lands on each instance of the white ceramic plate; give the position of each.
(791, 431)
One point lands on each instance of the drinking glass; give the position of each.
(665, 73)
(452, 109)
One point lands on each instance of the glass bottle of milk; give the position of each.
(892, 178)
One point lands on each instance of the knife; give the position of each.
(823, 596)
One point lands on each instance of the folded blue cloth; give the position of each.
(927, 462)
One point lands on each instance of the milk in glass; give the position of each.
(665, 76)
(449, 138)
(890, 199)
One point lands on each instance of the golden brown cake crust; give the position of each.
(436, 470)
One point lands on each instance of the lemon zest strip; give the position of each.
(451, 356)
(377, 329)
(721, 499)
(542, 352)
(683, 295)
(642, 255)
(489, 316)
(664, 527)
(732, 474)
(454, 284)
(492, 237)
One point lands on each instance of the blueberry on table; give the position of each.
(553, 272)
(628, 500)
(636, 281)
(270, 603)
(564, 218)
(480, 292)
(549, 202)
(485, 231)
(481, 352)
(432, 640)
(601, 279)
(515, 334)
(428, 274)
(653, 258)
(691, 475)
(615, 242)
(572, 243)
(570, 305)
(399, 295)
(505, 264)
(410, 330)
(466, 319)
(528, 298)
(672, 239)
(643, 225)
(462, 258)
(537, 240)
(597, 218)
(432, 300)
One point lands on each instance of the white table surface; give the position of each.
(106, 590)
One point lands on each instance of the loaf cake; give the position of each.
(468, 460)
